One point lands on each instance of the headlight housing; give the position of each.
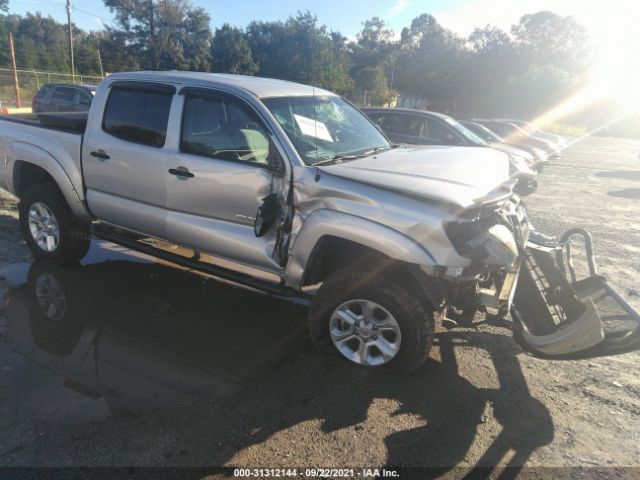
(493, 246)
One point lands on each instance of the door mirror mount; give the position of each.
(267, 214)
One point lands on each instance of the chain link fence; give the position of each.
(30, 81)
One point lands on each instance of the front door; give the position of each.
(219, 178)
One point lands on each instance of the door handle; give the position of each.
(100, 154)
(181, 172)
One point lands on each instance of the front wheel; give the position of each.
(373, 320)
(54, 234)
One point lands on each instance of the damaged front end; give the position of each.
(494, 239)
(558, 316)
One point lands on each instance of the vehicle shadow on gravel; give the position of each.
(195, 372)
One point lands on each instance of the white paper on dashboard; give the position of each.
(313, 128)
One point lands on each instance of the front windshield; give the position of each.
(325, 127)
(464, 131)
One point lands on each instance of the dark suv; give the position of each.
(62, 97)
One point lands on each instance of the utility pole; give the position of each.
(100, 62)
(73, 69)
(15, 72)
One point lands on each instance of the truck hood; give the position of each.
(462, 176)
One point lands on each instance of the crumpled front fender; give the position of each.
(324, 222)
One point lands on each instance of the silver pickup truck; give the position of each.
(291, 190)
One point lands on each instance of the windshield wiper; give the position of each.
(349, 156)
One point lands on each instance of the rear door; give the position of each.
(125, 161)
(221, 174)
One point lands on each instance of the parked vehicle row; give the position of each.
(291, 190)
(511, 132)
(541, 157)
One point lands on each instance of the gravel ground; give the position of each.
(153, 377)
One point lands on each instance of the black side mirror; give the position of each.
(267, 214)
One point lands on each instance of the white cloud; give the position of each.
(398, 7)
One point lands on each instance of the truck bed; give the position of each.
(38, 137)
(70, 122)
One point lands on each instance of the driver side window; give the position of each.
(220, 128)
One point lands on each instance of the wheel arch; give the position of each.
(42, 167)
(330, 239)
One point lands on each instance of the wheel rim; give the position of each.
(44, 227)
(365, 332)
(50, 297)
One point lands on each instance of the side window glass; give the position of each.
(137, 116)
(82, 98)
(219, 128)
(390, 123)
(415, 126)
(63, 94)
(42, 93)
(438, 131)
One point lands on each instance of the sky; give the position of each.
(346, 16)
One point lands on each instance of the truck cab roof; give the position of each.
(257, 86)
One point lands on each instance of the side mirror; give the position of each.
(267, 214)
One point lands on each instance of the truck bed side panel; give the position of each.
(56, 151)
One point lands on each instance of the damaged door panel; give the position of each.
(559, 316)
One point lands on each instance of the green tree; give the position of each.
(430, 61)
(547, 38)
(231, 53)
(487, 70)
(301, 50)
(164, 34)
(372, 57)
(4, 6)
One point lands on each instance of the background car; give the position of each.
(540, 156)
(420, 127)
(534, 130)
(512, 132)
(63, 98)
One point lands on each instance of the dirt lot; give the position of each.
(150, 365)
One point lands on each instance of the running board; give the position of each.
(141, 243)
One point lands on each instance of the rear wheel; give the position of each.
(373, 320)
(54, 234)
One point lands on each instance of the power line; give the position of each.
(109, 20)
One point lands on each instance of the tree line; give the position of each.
(491, 72)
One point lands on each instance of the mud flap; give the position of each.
(558, 316)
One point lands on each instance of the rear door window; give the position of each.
(43, 92)
(440, 132)
(63, 94)
(82, 98)
(138, 116)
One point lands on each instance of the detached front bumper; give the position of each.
(558, 316)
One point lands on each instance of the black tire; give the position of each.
(75, 234)
(411, 308)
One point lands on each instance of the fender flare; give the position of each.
(325, 222)
(28, 153)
